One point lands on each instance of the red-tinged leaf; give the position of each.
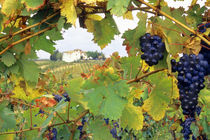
(27, 49)
(128, 48)
(34, 4)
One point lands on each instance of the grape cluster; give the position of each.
(113, 131)
(191, 71)
(152, 47)
(80, 128)
(58, 98)
(205, 50)
(54, 132)
(106, 121)
(186, 127)
(40, 112)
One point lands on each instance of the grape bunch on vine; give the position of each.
(160, 90)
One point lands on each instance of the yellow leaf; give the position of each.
(92, 1)
(128, 15)
(68, 10)
(175, 91)
(10, 7)
(89, 22)
(163, 92)
(25, 92)
(194, 44)
(132, 117)
(157, 111)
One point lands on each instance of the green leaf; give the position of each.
(104, 31)
(195, 130)
(61, 22)
(118, 7)
(42, 43)
(132, 36)
(8, 59)
(46, 123)
(30, 71)
(7, 137)
(131, 66)
(195, 15)
(54, 34)
(37, 120)
(14, 69)
(172, 34)
(100, 100)
(33, 4)
(7, 118)
(99, 130)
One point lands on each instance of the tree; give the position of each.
(95, 55)
(158, 92)
(56, 56)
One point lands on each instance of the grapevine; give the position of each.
(160, 90)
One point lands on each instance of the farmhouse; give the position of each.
(75, 55)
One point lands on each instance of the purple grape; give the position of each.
(152, 48)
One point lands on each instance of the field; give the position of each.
(59, 68)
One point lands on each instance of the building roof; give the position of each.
(76, 50)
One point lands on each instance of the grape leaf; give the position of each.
(8, 59)
(118, 7)
(132, 117)
(61, 22)
(7, 137)
(104, 31)
(30, 71)
(132, 36)
(100, 99)
(37, 119)
(131, 66)
(173, 37)
(68, 10)
(7, 118)
(92, 1)
(99, 130)
(128, 15)
(195, 130)
(40, 43)
(195, 15)
(161, 95)
(14, 69)
(10, 7)
(54, 34)
(89, 22)
(27, 94)
(33, 4)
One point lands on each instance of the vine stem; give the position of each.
(29, 27)
(75, 123)
(143, 76)
(31, 118)
(53, 125)
(26, 38)
(68, 110)
(176, 21)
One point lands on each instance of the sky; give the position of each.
(79, 38)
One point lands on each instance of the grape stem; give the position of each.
(176, 21)
(29, 27)
(53, 125)
(143, 76)
(26, 38)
